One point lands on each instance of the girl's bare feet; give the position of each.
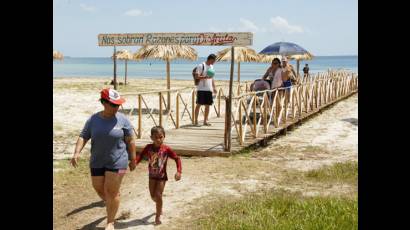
(157, 220)
(110, 226)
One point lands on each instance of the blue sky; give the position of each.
(324, 27)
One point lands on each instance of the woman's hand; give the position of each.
(74, 160)
(132, 165)
(177, 176)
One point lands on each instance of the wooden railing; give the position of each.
(150, 108)
(253, 113)
(261, 111)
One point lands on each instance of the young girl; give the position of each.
(157, 154)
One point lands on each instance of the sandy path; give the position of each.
(328, 138)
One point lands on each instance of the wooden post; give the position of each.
(115, 68)
(125, 80)
(177, 101)
(193, 107)
(239, 73)
(300, 90)
(254, 113)
(228, 108)
(240, 123)
(219, 103)
(139, 116)
(168, 87)
(160, 109)
(265, 115)
(297, 69)
(227, 132)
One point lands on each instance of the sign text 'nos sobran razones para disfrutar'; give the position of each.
(193, 39)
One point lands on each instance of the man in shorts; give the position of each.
(205, 88)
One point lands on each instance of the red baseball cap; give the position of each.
(112, 96)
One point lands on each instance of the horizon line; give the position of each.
(343, 55)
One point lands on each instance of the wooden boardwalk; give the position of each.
(208, 140)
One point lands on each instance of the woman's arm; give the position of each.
(132, 151)
(78, 147)
(266, 74)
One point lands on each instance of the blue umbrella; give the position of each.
(285, 49)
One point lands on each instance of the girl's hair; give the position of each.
(157, 129)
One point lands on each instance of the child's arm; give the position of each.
(139, 157)
(174, 156)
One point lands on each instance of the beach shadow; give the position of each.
(136, 222)
(93, 225)
(99, 204)
(353, 121)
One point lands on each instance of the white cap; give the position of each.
(284, 58)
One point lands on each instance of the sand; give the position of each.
(323, 140)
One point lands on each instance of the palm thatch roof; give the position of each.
(57, 55)
(242, 54)
(123, 55)
(166, 52)
(305, 56)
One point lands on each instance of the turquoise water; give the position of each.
(181, 69)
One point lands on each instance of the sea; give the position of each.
(102, 67)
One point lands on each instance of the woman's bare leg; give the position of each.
(112, 193)
(98, 185)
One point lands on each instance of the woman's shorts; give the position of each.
(287, 83)
(101, 171)
(204, 98)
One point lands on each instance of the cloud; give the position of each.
(282, 25)
(87, 8)
(137, 12)
(247, 25)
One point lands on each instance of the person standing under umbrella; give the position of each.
(290, 74)
(274, 74)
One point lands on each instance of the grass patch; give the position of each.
(66, 175)
(281, 210)
(345, 172)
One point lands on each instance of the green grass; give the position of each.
(69, 175)
(281, 210)
(345, 172)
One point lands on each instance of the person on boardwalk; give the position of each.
(112, 145)
(157, 154)
(289, 76)
(306, 71)
(274, 74)
(205, 88)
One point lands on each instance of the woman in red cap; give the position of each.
(112, 150)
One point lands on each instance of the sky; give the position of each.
(323, 27)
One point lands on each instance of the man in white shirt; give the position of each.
(205, 88)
